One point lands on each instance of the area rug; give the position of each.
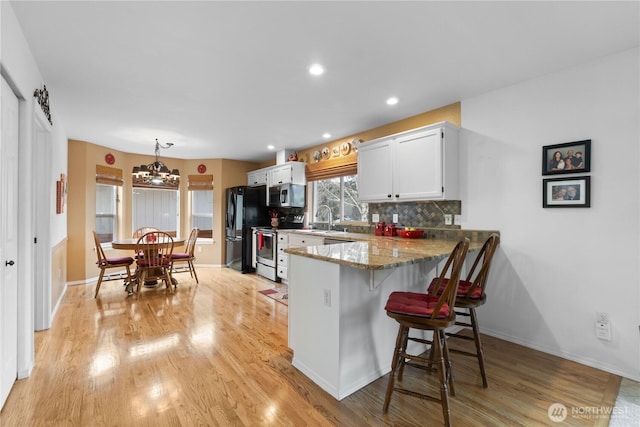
(280, 294)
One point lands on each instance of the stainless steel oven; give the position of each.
(266, 252)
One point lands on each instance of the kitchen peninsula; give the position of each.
(339, 332)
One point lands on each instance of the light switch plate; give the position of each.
(457, 220)
(447, 219)
(395, 218)
(375, 217)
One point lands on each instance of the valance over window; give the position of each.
(108, 175)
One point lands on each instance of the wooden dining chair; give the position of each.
(188, 255)
(105, 263)
(426, 312)
(142, 231)
(471, 295)
(157, 247)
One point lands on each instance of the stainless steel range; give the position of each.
(266, 252)
(266, 242)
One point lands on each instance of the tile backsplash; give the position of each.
(428, 214)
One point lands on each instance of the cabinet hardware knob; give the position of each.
(389, 195)
(9, 263)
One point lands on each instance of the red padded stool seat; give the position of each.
(426, 312)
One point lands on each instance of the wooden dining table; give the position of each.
(131, 244)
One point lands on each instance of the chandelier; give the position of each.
(156, 173)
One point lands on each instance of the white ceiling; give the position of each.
(225, 79)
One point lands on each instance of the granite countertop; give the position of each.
(370, 252)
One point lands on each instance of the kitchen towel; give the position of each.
(260, 241)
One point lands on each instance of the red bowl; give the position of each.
(410, 234)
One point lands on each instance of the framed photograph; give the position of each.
(570, 157)
(566, 192)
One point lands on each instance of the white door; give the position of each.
(375, 176)
(418, 168)
(8, 241)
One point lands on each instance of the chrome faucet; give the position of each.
(330, 215)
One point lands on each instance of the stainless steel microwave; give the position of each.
(288, 196)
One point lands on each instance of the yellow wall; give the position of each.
(83, 158)
(450, 113)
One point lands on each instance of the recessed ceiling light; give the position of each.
(326, 135)
(316, 69)
(392, 101)
(270, 147)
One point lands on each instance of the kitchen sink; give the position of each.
(332, 232)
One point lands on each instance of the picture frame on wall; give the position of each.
(570, 157)
(566, 192)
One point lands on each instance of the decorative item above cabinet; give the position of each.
(419, 164)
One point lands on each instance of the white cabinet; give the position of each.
(420, 164)
(301, 240)
(283, 258)
(288, 173)
(292, 240)
(257, 177)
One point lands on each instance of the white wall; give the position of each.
(21, 71)
(557, 267)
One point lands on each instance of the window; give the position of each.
(202, 212)
(201, 204)
(341, 195)
(157, 208)
(106, 212)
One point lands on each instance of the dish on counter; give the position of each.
(410, 234)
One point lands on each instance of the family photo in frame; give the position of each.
(570, 157)
(566, 192)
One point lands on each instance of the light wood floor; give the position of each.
(216, 354)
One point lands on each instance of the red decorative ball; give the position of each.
(110, 159)
(202, 168)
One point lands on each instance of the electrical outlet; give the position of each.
(603, 331)
(375, 217)
(602, 318)
(395, 218)
(457, 220)
(447, 219)
(327, 297)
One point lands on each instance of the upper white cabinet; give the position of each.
(258, 177)
(288, 173)
(420, 164)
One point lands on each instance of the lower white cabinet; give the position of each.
(283, 258)
(292, 240)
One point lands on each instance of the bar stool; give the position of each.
(427, 313)
(470, 295)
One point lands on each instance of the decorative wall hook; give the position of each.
(43, 100)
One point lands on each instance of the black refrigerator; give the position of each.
(246, 208)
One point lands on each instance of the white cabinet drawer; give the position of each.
(283, 238)
(297, 240)
(283, 260)
(283, 272)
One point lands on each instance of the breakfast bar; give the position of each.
(339, 332)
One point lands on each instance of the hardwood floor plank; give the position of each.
(215, 354)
